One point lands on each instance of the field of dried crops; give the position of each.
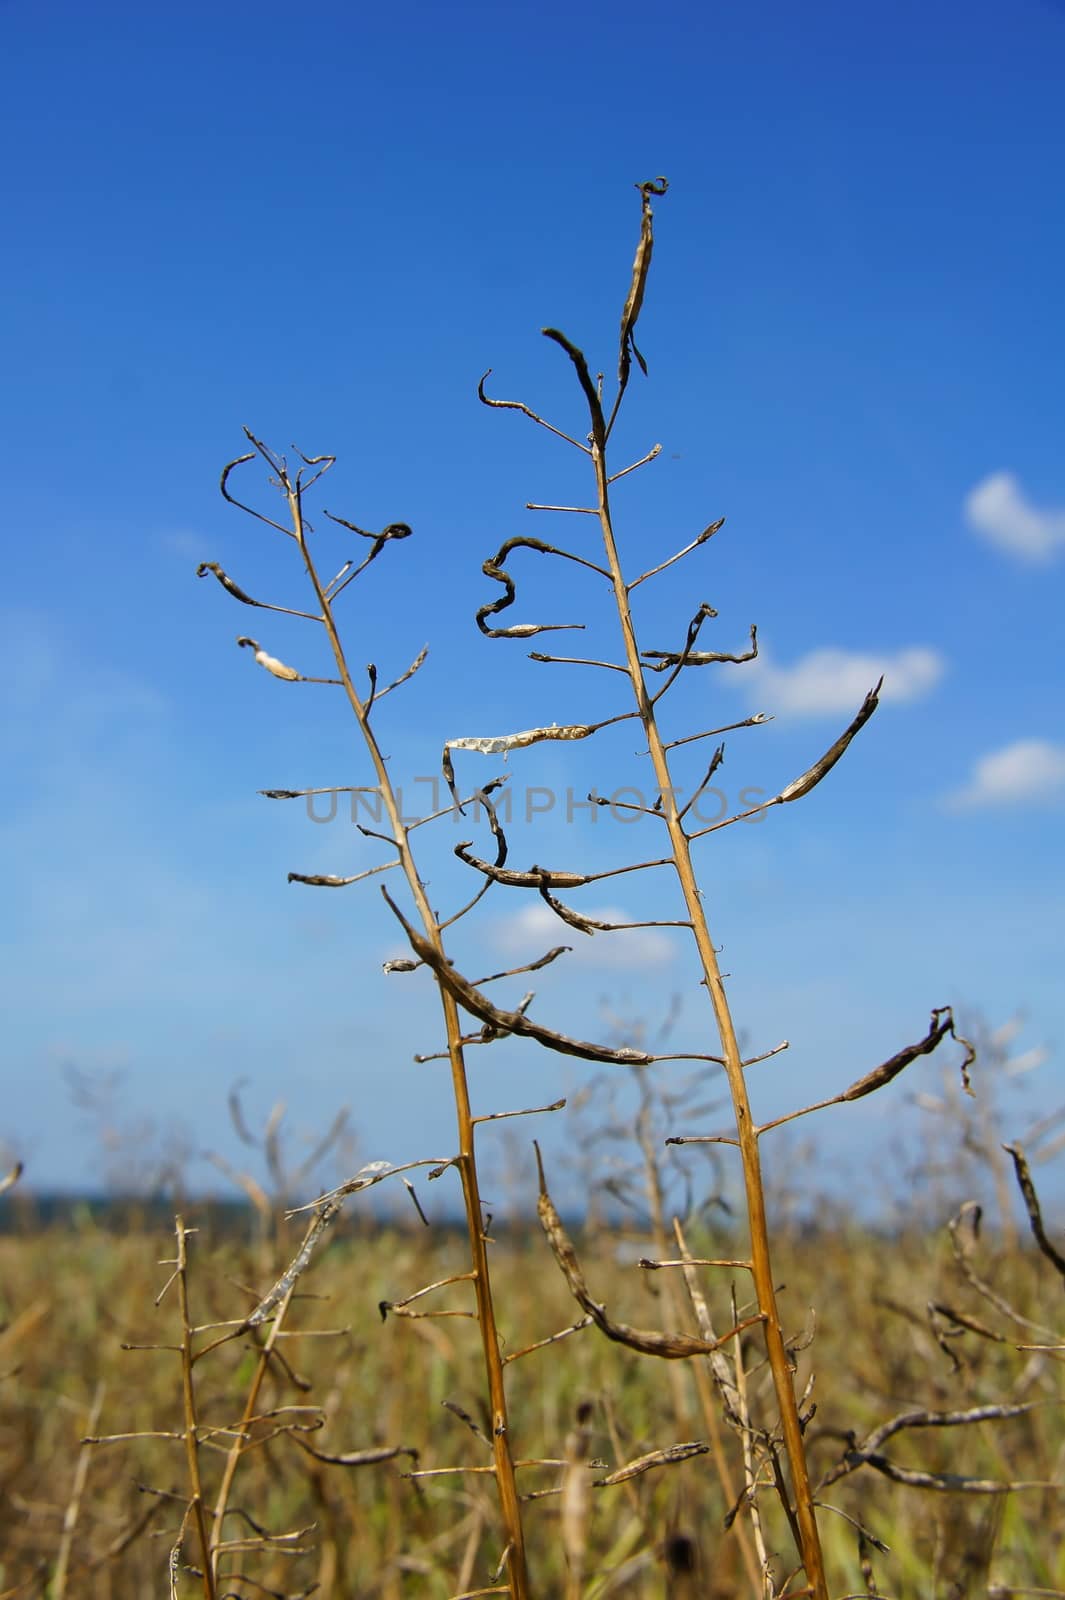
(921, 1324)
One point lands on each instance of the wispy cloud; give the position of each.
(999, 510)
(1031, 771)
(831, 681)
(537, 925)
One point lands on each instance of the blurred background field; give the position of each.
(902, 1324)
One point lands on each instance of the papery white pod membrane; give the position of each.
(271, 663)
(370, 1173)
(517, 741)
(321, 880)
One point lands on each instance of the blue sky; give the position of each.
(327, 229)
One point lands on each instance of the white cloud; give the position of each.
(838, 680)
(1029, 771)
(537, 926)
(999, 510)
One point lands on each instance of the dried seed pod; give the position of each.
(277, 668)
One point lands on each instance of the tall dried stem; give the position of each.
(796, 1497)
(190, 1431)
(292, 486)
(636, 666)
(746, 1131)
(242, 1432)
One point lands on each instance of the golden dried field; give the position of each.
(926, 1324)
